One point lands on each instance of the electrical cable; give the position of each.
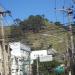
(55, 16)
(63, 12)
(5, 21)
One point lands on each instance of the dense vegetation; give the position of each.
(46, 68)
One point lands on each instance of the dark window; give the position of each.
(16, 70)
(6, 48)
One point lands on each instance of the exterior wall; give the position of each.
(18, 48)
(7, 55)
(5, 59)
(15, 46)
(19, 66)
(1, 68)
(14, 66)
(21, 59)
(40, 53)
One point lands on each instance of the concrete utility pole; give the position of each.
(38, 65)
(69, 12)
(3, 13)
(29, 64)
(2, 51)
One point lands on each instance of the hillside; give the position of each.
(52, 35)
(39, 33)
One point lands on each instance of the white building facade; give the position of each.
(20, 59)
(39, 53)
(43, 55)
(5, 54)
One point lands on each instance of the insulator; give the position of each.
(4, 14)
(63, 7)
(9, 12)
(72, 6)
(1, 12)
(70, 11)
(55, 8)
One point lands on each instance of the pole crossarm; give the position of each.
(4, 13)
(69, 11)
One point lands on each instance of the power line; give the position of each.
(63, 12)
(55, 16)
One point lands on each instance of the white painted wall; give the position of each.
(40, 53)
(19, 51)
(17, 48)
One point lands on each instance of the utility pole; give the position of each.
(38, 65)
(2, 51)
(3, 13)
(71, 43)
(29, 64)
(69, 12)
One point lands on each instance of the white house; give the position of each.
(39, 53)
(44, 55)
(5, 54)
(18, 48)
(20, 58)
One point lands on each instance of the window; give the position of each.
(6, 48)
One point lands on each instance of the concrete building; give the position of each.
(41, 53)
(20, 59)
(5, 54)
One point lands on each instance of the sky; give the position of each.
(22, 9)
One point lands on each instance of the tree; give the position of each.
(16, 32)
(34, 68)
(45, 67)
(58, 24)
(34, 23)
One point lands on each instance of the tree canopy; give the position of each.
(33, 23)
